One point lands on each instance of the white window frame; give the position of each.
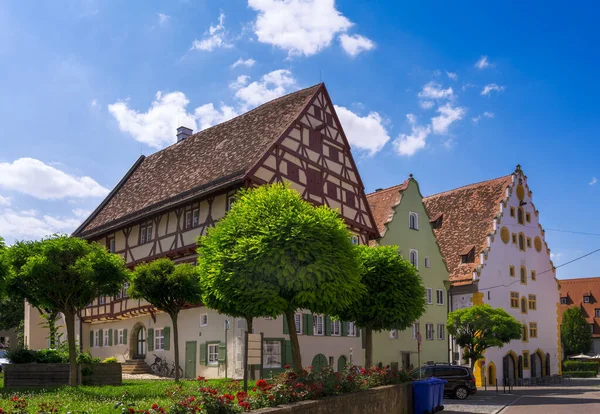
(351, 329)
(96, 338)
(429, 296)
(125, 289)
(414, 331)
(230, 201)
(412, 214)
(316, 320)
(188, 219)
(586, 299)
(270, 349)
(298, 320)
(195, 217)
(203, 320)
(429, 332)
(112, 245)
(410, 255)
(354, 239)
(212, 354)
(336, 328)
(120, 337)
(102, 300)
(439, 293)
(394, 334)
(105, 337)
(159, 339)
(427, 262)
(441, 329)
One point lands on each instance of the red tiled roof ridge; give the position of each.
(467, 186)
(580, 279)
(401, 187)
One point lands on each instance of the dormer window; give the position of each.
(436, 221)
(468, 255)
(413, 221)
(587, 299)
(563, 300)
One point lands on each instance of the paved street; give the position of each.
(580, 396)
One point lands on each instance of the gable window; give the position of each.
(563, 301)
(334, 154)
(146, 232)
(439, 293)
(440, 331)
(336, 328)
(528, 217)
(514, 299)
(533, 275)
(414, 332)
(521, 242)
(204, 319)
(350, 199)
(532, 302)
(523, 276)
(331, 190)
(351, 329)
(429, 296)
(293, 172)
(315, 141)
(511, 271)
(110, 244)
(528, 242)
(212, 351)
(298, 323)
(414, 258)
(520, 216)
(533, 329)
(524, 337)
(314, 182)
(429, 332)
(318, 325)
(317, 112)
(523, 305)
(427, 262)
(514, 238)
(329, 119)
(413, 221)
(512, 211)
(587, 299)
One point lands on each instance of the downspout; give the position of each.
(448, 309)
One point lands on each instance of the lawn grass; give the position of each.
(102, 399)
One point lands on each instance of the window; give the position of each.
(101, 300)
(231, 199)
(332, 190)
(563, 301)
(514, 238)
(523, 276)
(145, 232)
(597, 313)
(315, 141)
(439, 293)
(514, 299)
(528, 217)
(394, 334)
(414, 258)
(159, 339)
(110, 244)
(204, 319)
(314, 182)
(354, 239)
(533, 329)
(532, 302)
(350, 198)
(440, 331)
(525, 359)
(429, 292)
(120, 337)
(96, 339)
(105, 337)
(336, 328)
(195, 217)
(414, 333)
(586, 299)
(528, 242)
(318, 325)
(511, 271)
(523, 305)
(298, 321)
(413, 221)
(427, 262)
(351, 329)
(293, 171)
(334, 154)
(591, 327)
(468, 255)
(521, 242)
(213, 354)
(524, 333)
(272, 354)
(520, 216)
(429, 331)
(512, 211)
(188, 219)
(533, 275)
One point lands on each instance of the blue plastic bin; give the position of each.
(439, 393)
(423, 402)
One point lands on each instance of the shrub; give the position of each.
(51, 356)
(580, 366)
(87, 358)
(21, 355)
(110, 360)
(580, 374)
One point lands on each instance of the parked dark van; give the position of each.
(461, 381)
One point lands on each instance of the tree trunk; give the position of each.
(296, 357)
(176, 344)
(70, 322)
(368, 348)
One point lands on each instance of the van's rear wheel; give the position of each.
(461, 393)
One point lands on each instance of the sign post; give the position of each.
(420, 348)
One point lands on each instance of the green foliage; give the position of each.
(580, 374)
(575, 332)
(110, 360)
(21, 355)
(395, 293)
(166, 285)
(12, 312)
(572, 365)
(87, 358)
(480, 327)
(275, 252)
(4, 266)
(52, 356)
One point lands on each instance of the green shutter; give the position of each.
(344, 328)
(124, 336)
(287, 354)
(110, 335)
(167, 335)
(327, 325)
(222, 352)
(150, 339)
(100, 337)
(308, 324)
(91, 339)
(203, 353)
(286, 328)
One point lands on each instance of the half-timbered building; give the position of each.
(168, 199)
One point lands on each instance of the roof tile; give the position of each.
(382, 203)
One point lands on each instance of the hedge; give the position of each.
(580, 366)
(580, 374)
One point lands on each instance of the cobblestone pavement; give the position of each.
(486, 402)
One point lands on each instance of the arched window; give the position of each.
(414, 258)
(523, 275)
(524, 333)
(523, 304)
(413, 221)
(520, 216)
(521, 242)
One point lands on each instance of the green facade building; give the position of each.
(403, 221)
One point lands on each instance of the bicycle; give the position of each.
(172, 372)
(160, 366)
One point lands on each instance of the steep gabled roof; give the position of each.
(468, 218)
(382, 203)
(210, 159)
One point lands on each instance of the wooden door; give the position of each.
(319, 363)
(341, 364)
(190, 359)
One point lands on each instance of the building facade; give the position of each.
(403, 221)
(584, 293)
(170, 198)
(494, 247)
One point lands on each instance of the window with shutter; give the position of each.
(222, 352)
(314, 182)
(150, 339)
(334, 154)
(315, 141)
(332, 190)
(203, 347)
(212, 351)
(317, 113)
(293, 172)
(350, 199)
(167, 338)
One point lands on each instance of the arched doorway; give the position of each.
(509, 363)
(341, 364)
(319, 363)
(138, 342)
(537, 364)
(491, 374)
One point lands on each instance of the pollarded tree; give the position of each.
(169, 288)
(65, 274)
(275, 253)
(480, 327)
(575, 332)
(395, 294)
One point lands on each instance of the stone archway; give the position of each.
(538, 364)
(491, 374)
(137, 341)
(510, 367)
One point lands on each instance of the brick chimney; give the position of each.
(183, 133)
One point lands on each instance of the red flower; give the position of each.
(244, 404)
(287, 366)
(192, 399)
(200, 378)
(154, 406)
(254, 389)
(271, 397)
(241, 395)
(261, 383)
(132, 410)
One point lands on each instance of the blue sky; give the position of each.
(452, 92)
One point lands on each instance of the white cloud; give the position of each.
(426, 104)
(409, 144)
(94, 103)
(241, 62)
(555, 256)
(434, 90)
(17, 225)
(448, 115)
(215, 38)
(163, 19)
(4, 201)
(482, 63)
(487, 89)
(484, 115)
(33, 177)
(207, 115)
(241, 81)
(452, 75)
(300, 27)
(81, 213)
(593, 182)
(365, 133)
(272, 85)
(355, 44)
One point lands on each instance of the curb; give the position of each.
(501, 410)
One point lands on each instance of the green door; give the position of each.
(341, 363)
(190, 359)
(319, 362)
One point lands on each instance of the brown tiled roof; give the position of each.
(575, 290)
(209, 159)
(382, 203)
(468, 219)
